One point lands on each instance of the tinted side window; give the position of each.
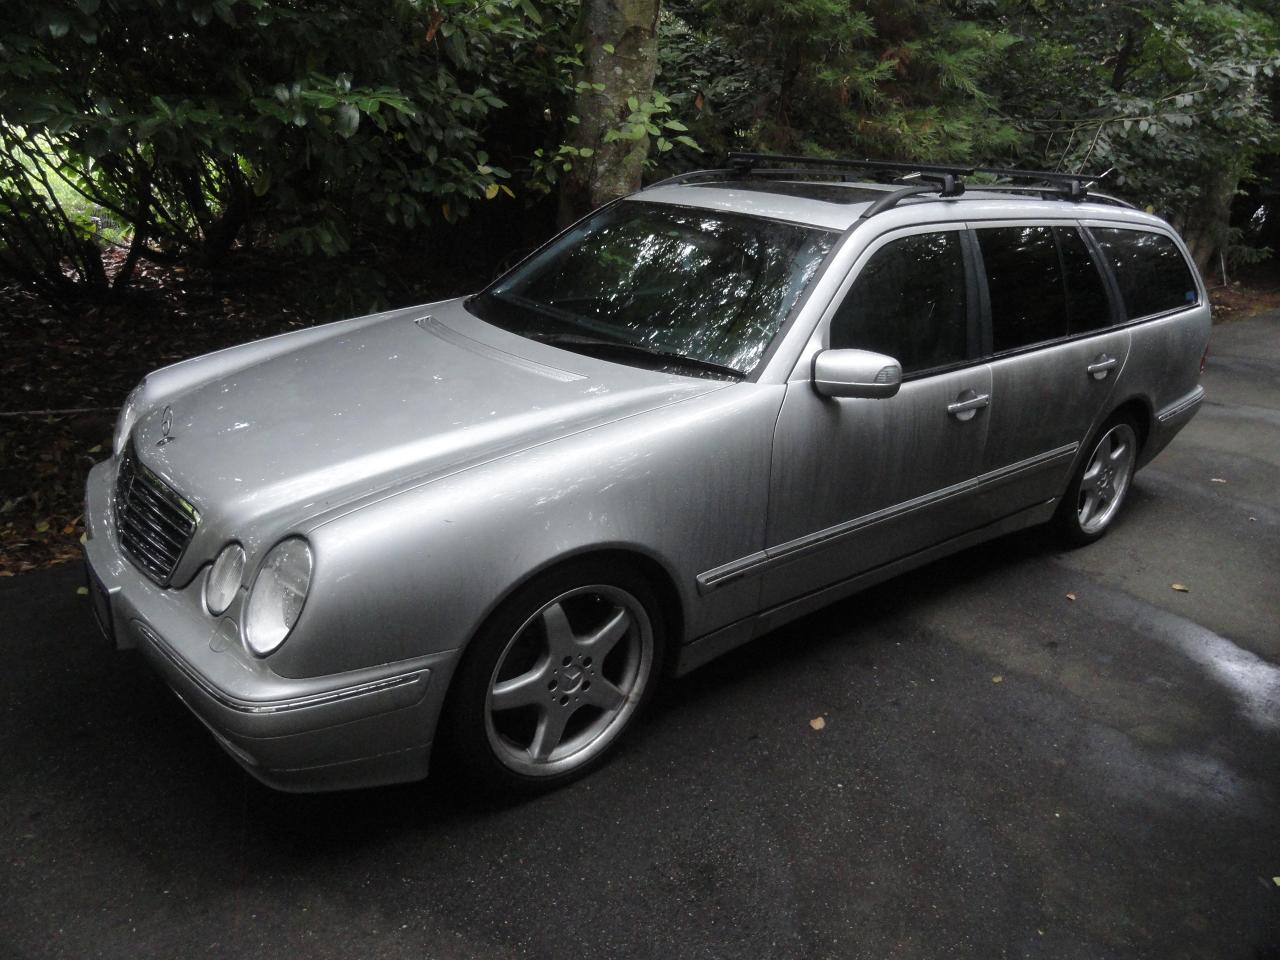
(909, 302)
(1024, 280)
(1151, 271)
(1088, 306)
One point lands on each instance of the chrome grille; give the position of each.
(154, 523)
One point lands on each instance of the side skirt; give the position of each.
(706, 648)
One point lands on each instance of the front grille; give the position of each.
(154, 523)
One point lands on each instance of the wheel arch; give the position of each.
(651, 568)
(1137, 408)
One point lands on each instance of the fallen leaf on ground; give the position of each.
(997, 679)
(817, 723)
(1071, 596)
(1181, 587)
(1216, 480)
(82, 591)
(1276, 881)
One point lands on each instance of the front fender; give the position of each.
(418, 571)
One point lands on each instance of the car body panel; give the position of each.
(857, 483)
(416, 394)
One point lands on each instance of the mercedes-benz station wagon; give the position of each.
(490, 526)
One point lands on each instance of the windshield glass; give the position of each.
(671, 282)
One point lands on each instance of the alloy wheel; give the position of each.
(1106, 479)
(568, 680)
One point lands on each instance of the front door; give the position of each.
(858, 483)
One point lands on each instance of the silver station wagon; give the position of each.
(489, 526)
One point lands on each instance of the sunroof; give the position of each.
(808, 189)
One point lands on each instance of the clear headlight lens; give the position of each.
(224, 579)
(277, 596)
(127, 418)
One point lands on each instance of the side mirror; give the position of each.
(856, 373)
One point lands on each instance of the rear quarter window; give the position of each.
(1151, 271)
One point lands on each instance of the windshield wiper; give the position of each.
(585, 344)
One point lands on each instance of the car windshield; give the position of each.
(671, 287)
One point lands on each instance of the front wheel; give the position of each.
(555, 678)
(1101, 483)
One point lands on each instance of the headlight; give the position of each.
(128, 417)
(277, 595)
(224, 579)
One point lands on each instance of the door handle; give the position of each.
(1101, 366)
(967, 407)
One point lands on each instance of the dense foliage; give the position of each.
(178, 129)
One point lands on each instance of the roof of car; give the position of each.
(837, 205)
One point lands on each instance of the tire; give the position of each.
(555, 678)
(1101, 483)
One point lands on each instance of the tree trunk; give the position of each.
(630, 28)
(1204, 223)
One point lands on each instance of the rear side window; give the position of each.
(1152, 273)
(909, 302)
(1088, 306)
(1025, 284)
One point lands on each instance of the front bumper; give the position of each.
(357, 729)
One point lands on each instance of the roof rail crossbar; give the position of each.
(1052, 192)
(746, 163)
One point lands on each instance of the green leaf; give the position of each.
(531, 11)
(59, 25)
(675, 125)
(90, 7)
(609, 48)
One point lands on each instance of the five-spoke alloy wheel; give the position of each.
(1101, 482)
(555, 678)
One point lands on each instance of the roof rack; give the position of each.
(914, 179)
(943, 179)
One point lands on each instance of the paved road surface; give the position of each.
(1003, 772)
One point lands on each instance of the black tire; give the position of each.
(523, 652)
(1087, 511)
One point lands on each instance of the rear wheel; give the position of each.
(1101, 483)
(555, 678)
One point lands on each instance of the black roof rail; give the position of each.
(692, 175)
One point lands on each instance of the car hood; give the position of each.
(416, 394)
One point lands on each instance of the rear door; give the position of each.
(1054, 355)
(857, 483)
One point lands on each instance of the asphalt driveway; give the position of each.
(1003, 771)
